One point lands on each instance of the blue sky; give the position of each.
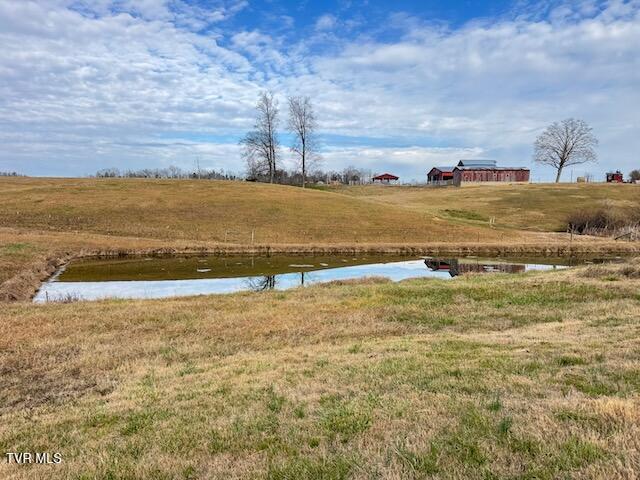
(398, 86)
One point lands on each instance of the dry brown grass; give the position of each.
(532, 376)
(613, 272)
(535, 207)
(217, 211)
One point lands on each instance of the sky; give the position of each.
(397, 86)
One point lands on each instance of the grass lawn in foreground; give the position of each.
(527, 376)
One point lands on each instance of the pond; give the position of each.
(159, 277)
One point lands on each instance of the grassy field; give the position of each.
(527, 376)
(534, 207)
(524, 376)
(217, 211)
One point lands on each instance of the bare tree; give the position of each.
(302, 123)
(261, 146)
(569, 142)
(351, 175)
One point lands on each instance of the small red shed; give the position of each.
(385, 178)
(615, 177)
(439, 175)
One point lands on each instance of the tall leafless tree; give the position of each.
(261, 145)
(566, 143)
(302, 124)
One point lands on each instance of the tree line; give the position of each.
(169, 172)
(348, 176)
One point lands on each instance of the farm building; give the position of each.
(457, 267)
(469, 171)
(385, 178)
(615, 177)
(440, 175)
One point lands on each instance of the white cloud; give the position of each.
(261, 48)
(109, 79)
(326, 22)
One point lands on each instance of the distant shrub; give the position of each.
(604, 221)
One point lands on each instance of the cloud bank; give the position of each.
(86, 85)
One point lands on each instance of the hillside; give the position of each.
(216, 211)
(536, 207)
(229, 212)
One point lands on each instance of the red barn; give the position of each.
(615, 177)
(385, 178)
(487, 171)
(440, 175)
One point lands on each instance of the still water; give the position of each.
(153, 277)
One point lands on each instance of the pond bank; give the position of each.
(24, 285)
(178, 276)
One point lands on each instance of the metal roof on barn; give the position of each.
(477, 163)
(472, 167)
(446, 169)
(386, 176)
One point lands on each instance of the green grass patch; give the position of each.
(418, 464)
(333, 467)
(17, 248)
(604, 381)
(465, 215)
(588, 421)
(576, 453)
(570, 360)
(344, 419)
